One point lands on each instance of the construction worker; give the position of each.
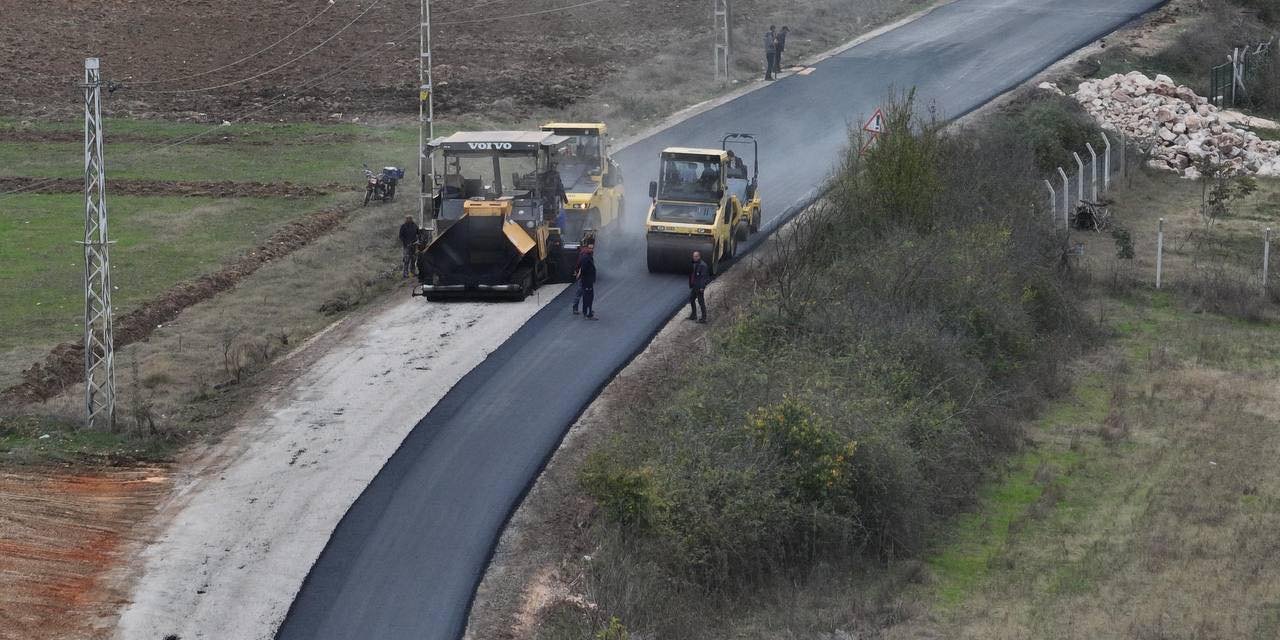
(699, 278)
(737, 168)
(710, 178)
(408, 240)
(587, 281)
(770, 52)
(780, 43)
(588, 245)
(553, 195)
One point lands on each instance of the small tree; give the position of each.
(1220, 187)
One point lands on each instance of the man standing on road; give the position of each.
(780, 43)
(587, 282)
(699, 278)
(770, 52)
(408, 240)
(588, 245)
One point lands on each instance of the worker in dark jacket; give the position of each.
(779, 45)
(699, 278)
(587, 280)
(408, 240)
(588, 245)
(553, 194)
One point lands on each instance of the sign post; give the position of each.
(875, 127)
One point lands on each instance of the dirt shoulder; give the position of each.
(247, 519)
(61, 536)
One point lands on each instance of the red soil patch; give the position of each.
(59, 537)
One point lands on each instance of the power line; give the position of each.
(288, 94)
(307, 84)
(30, 187)
(331, 4)
(524, 15)
(176, 142)
(275, 68)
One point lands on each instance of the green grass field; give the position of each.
(159, 241)
(163, 239)
(299, 152)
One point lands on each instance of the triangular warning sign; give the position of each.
(876, 123)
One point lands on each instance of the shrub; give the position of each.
(819, 460)
(1054, 126)
(897, 333)
(628, 496)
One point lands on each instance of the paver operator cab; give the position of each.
(496, 205)
(704, 200)
(592, 180)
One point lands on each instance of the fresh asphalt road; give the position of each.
(406, 559)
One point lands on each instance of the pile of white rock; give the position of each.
(1182, 129)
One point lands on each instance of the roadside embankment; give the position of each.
(871, 368)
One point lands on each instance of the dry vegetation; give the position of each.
(1135, 505)
(855, 405)
(1145, 507)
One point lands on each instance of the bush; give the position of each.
(818, 460)
(1054, 126)
(898, 332)
(629, 497)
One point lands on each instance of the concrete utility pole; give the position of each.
(99, 356)
(426, 116)
(720, 26)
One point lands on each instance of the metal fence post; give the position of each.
(1159, 252)
(1124, 156)
(1066, 197)
(1106, 166)
(1053, 201)
(1080, 174)
(1093, 167)
(1266, 259)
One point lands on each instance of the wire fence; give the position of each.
(1230, 83)
(1087, 182)
(1261, 278)
(1097, 172)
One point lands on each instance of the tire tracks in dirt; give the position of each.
(64, 366)
(183, 188)
(60, 536)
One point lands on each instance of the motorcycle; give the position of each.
(381, 186)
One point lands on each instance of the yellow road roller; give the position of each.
(704, 200)
(592, 180)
